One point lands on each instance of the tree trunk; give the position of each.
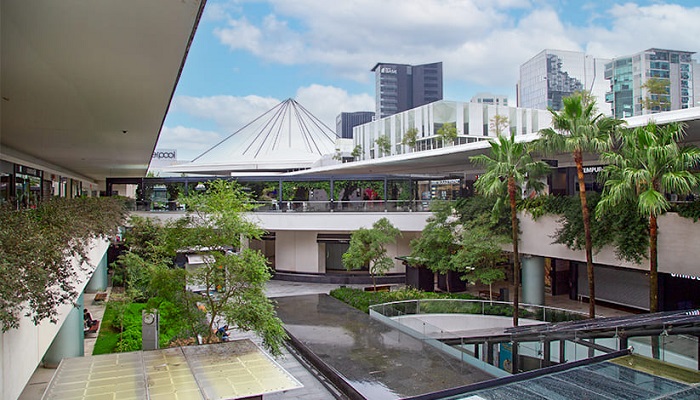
(578, 159)
(653, 279)
(516, 254)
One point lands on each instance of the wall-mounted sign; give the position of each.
(691, 277)
(589, 170)
(165, 155)
(388, 70)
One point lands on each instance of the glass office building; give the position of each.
(401, 87)
(551, 75)
(627, 75)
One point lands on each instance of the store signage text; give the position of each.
(165, 154)
(589, 170)
(692, 277)
(388, 70)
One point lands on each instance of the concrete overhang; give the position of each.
(86, 84)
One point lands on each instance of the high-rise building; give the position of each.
(551, 75)
(345, 121)
(628, 75)
(401, 87)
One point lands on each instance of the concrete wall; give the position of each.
(22, 349)
(678, 250)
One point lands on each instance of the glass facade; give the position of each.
(552, 75)
(401, 87)
(628, 75)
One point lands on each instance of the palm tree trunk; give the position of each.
(653, 279)
(516, 254)
(578, 159)
(653, 265)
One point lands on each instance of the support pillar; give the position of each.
(70, 340)
(533, 280)
(98, 281)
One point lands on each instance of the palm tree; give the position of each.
(508, 167)
(649, 164)
(578, 129)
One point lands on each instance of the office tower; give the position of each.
(345, 121)
(551, 75)
(490, 98)
(627, 75)
(401, 87)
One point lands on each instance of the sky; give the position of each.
(249, 55)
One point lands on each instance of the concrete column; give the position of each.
(533, 280)
(98, 282)
(70, 340)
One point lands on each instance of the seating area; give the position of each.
(100, 297)
(93, 328)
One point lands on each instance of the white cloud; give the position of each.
(229, 113)
(480, 41)
(635, 28)
(189, 142)
(326, 102)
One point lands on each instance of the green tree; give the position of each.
(577, 129)
(657, 98)
(357, 151)
(509, 166)
(368, 249)
(438, 241)
(233, 281)
(384, 145)
(447, 133)
(480, 256)
(649, 164)
(499, 124)
(38, 251)
(410, 138)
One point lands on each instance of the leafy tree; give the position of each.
(38, 248)
(499, 124)
(480, 255)
(233, 282)
(438, 241)
(508, 167)
(657, 95)
(368, 248)
(410, 138)
(384, 145)
(357, 151)
(448, 133)
(577, 129)
(649, 164)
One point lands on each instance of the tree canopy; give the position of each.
(368, 248)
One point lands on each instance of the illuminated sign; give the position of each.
(388, 70)
(691, 277)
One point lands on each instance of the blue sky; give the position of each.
(249, 55)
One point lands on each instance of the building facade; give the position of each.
(401, 87)
(551, 75)
(627, 76)
(473, 122)
(345, 121)
(490, 98)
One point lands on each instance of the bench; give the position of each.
(93, 328)
(100, 297)
(487, 295)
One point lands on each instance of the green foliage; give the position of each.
(120, 328)
(499, 124)
(357, 151)
(657, 98)
(37, 250)
(480, 256)
(689, 210)
(233, 282)
(368, 248)
(384, 145)
(447, 133)
(410, 138)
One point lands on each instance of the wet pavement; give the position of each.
(376, 360)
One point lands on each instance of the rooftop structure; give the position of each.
(285, 138)
(401, 87)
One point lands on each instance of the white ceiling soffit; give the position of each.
(86, 84)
